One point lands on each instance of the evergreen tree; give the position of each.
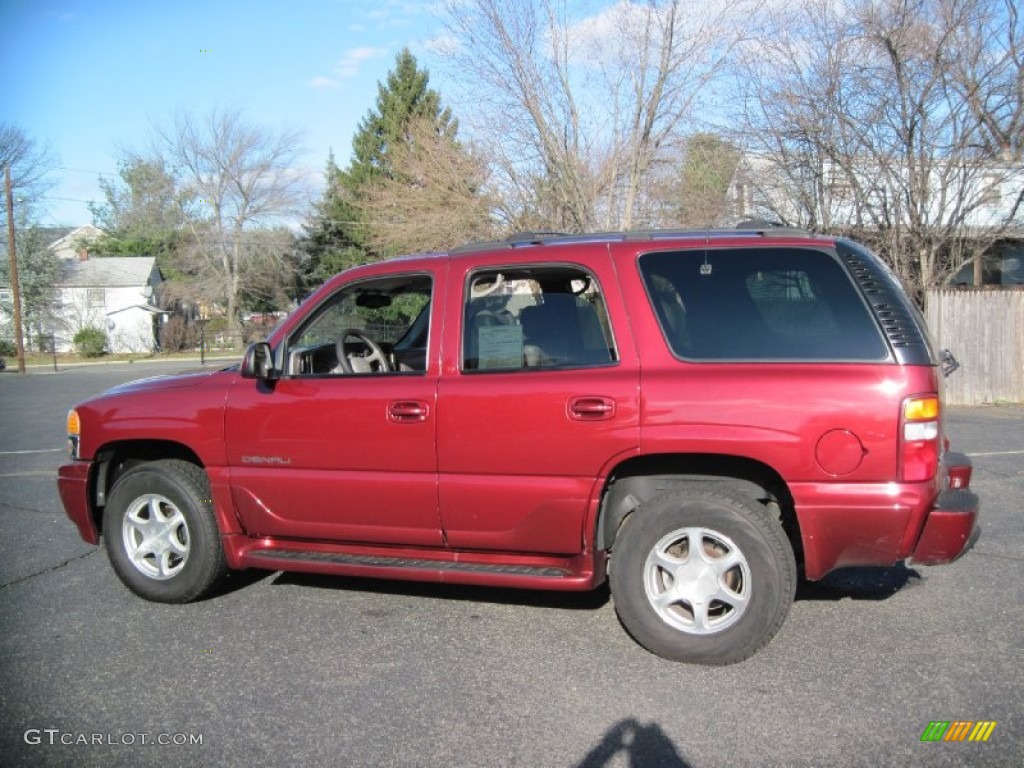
(336, 234)
(329, 243)
(404, 97)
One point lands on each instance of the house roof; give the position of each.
(64, 242)
(109, 272)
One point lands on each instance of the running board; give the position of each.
(578, 573)
(415, 564)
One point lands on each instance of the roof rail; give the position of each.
(768, 228)
(516, 240)
(524, 239)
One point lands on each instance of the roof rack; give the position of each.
(526, 239)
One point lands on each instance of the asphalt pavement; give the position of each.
(285, 669)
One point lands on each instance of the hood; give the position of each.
(168, 381)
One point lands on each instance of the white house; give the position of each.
(978, 198)
(66, 241)
(114, 293)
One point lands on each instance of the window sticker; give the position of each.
(500, 346)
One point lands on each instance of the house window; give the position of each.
(740, 199)
(6, 297)
(95, 297)
(838, 183)
(991, 194)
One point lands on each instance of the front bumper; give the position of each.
(73, 486)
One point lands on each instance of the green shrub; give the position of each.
(90, 342)
(8, 348)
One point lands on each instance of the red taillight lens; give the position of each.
(919, 438)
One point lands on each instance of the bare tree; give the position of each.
(433, 201)
(867, 117)
(30, 162)
(576, 112)
(244, 179)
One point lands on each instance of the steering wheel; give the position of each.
(376, 353)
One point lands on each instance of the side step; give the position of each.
(415, 564)
(548, 572)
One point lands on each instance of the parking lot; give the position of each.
(287, 669)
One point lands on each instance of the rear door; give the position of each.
(539, 396)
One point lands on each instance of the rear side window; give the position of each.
(760, 304)
(535, 318)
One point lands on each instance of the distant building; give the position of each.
(761, 188)
(113, 293)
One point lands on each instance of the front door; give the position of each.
(341, 448)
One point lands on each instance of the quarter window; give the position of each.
(760, 304)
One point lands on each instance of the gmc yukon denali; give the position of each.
(696, 417)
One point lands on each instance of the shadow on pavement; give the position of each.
(583, 601)
(867, 583)
(646, 746)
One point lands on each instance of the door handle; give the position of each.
(591, 408)
(408, 411)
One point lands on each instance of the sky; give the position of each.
(88, 77)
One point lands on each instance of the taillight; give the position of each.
(919, 446)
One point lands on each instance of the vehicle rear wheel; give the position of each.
(702, 575)
(161, 534)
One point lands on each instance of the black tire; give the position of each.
(161, 534)
(719, 608)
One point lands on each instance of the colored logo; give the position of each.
(958, 730)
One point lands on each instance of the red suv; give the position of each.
(695, 416)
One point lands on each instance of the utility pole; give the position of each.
(15, 290)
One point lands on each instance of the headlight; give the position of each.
(74, 433)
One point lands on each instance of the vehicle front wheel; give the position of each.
(702, 575)
(161, 534)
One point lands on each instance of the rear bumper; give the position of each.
(73, 486)
(950, 529)
(883, 523)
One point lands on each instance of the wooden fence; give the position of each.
(984, 329)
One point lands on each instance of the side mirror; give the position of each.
(258, 363)
(948, 362)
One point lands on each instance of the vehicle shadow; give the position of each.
(861, 583)
(236, 581)
(645, 746)
(579, 601)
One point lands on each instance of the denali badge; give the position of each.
(266, 460)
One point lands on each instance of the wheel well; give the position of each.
(115, 459)
(640, 479)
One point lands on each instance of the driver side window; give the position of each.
(376, 326)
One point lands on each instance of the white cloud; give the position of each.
(353, 58)
(320, 83)
(442, 45)
(347, 67)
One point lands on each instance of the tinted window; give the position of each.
(535, 318)
(760, 304)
